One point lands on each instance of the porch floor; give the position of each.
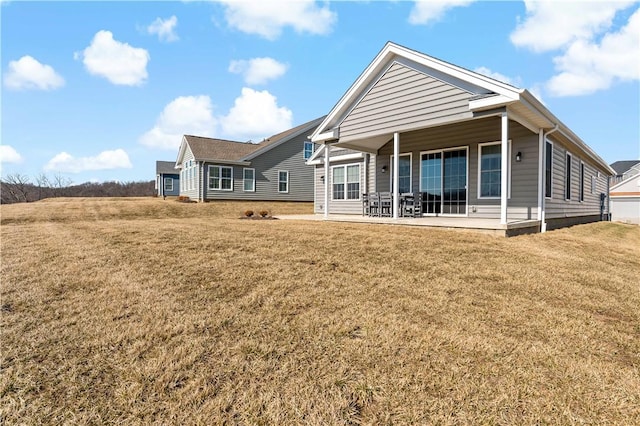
(485, 225)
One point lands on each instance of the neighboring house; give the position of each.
(167, 179)
(624, 196)
(474, 147)
(624, 170)
(274, 169)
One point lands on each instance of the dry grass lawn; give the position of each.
(148, 311)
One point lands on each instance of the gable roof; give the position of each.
(623, 166)
(227, 151)
(166, 168)
(485, 94)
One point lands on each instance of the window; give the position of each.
(548, 169)
(581, 181)
(346, 182)
(404, 173)
(221, 178)
(283, 181)
(168, 184)
(593, 184)
(490, 170)
(567, 178)
(308, 149)
(249, 180)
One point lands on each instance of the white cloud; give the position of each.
(256, 115)
(497, 76)
(9, 155)
(426, 11)
(551, 25)
(164, 28)
(116, 61)
(106, 160)
(269, 18)
(258, 70)
(587, 67)
(28, 73)
(183, 115)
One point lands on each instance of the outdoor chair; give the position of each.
(386, 204)
(366, 208)
(374, 204)
(413, 206)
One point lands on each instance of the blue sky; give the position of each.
(99, 91)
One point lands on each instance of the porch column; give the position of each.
(541, 180)
(327, 147)
(504, 168)
(396, 174)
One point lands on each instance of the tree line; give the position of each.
(19, 188)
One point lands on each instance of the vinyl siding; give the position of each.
(287, 156)
(524, 175)
(337, 206)
(176, 185)
(403, 99)
(557, 206)
(191, 193)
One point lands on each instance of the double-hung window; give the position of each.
(404, 173)
(490, 170)
(283, 181)
(346, 182)
(168, 184)
(249, 180)
(221, 178)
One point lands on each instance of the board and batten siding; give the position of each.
(287, 156)
(404, 99)
(524, 175)
(557, 206)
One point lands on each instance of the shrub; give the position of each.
(183, 199)
(264, 213)
(248, 213)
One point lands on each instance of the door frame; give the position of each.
(442, 151)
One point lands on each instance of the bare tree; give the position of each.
(43, 184)
(18, 186)
(59, 184)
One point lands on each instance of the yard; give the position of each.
(139, 311)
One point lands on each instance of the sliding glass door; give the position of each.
(443, 182)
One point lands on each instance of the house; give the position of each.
(624, 169)
(624, 195)
(472, 146)
(167, 179)
(272, 170)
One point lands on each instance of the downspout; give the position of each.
(543, 199)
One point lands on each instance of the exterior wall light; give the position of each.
(519, 157)
(384, 169)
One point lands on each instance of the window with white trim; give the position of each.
(581, 181)
(593, 184)
(168, 184)
(346, 182)
(249, 180)
(567, 177)
(283, 181)
(490, 170)
(308, 150)
(221, 178)
(548, 169)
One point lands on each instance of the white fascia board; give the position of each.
(490, 102)
(315, 155)
(230, 162)
(183, 147)
(345, 157)
(326, 136)
(624, 182)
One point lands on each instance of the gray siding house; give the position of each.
(272, 170)
(472, 146)
(167, 179)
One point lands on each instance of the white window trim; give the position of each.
(211, 166)
(594, 184)
(480, 145)
(410, 155)
(253, 181)
(344, 166)
(547, 141)
(581, 175)
(304, 145)
(287, 172)
(166, 187)
(442, 151)
(566, 156)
